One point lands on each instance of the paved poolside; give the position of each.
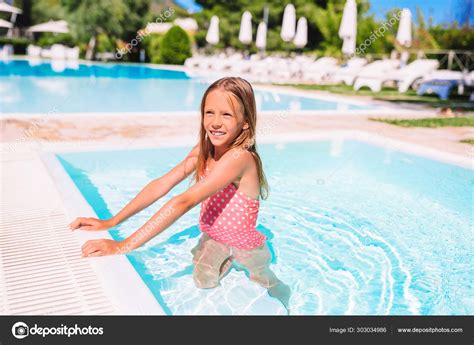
(129, 130)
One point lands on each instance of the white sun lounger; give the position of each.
(225, 64)
(193, 62)
(348, 73)
(277, 69)
(469, 80)
(6, 51)
(375, 70)
(241, 66)
(404, 77)
(441, 82)
(45, 53)
(72, 53)
(257, 69)
(33, 51)
(318, 70)
(297, 65)
(201, 62)
(283, 72)
(58, 52)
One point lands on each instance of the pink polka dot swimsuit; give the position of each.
(229, 217)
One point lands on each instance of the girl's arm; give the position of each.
(147, 196)
(226, 170)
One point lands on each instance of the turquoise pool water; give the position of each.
(42, 87)
(354, 229)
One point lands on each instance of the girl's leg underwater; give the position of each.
(257, 262)
(211, 262)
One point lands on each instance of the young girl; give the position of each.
(229, 182)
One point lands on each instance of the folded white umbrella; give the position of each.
(212, 36)
(348, 28)
(4, 7)
(5, 24)
(261, 40)
(349, 20)
(349, 45)
(59, 26)
(188, 24)
(245, 33)
(301, 37)
(158, 27)
(289, 23)
(404, 29)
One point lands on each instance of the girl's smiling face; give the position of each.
(223, 119)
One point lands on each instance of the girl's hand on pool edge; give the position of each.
(90, 224)
(103, 247)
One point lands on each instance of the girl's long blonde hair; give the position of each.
(243, 93)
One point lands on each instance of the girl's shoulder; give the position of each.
(193, 155)
(194, 151)
(236, 156)
(242, 157)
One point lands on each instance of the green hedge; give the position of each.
(48, 39)
(19, 44)
(175, 47)
(105, 43)
(453, 37)
(151, 44)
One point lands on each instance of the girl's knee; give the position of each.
(205, 277)
(263, 279)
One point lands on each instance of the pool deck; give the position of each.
(128, 131)
(38, 195)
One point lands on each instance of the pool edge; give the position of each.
(132, 298)
(464, 161)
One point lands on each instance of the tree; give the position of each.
(323, 17)
(175, 47)
(44, 10)
(422, 37)
(91, 17)
(136, 18)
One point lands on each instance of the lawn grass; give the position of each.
(456, 102)
(348, 90)
(430, 122)
(468, 141)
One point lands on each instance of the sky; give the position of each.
(442, 11)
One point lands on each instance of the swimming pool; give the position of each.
(61, 87)
(354, 228)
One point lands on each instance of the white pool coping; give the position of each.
(465, 161)
(121, 282)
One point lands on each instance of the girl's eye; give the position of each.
(227, 114)
(209, 113)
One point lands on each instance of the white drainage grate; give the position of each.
(41, 269)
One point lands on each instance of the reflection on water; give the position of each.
(53, 86)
